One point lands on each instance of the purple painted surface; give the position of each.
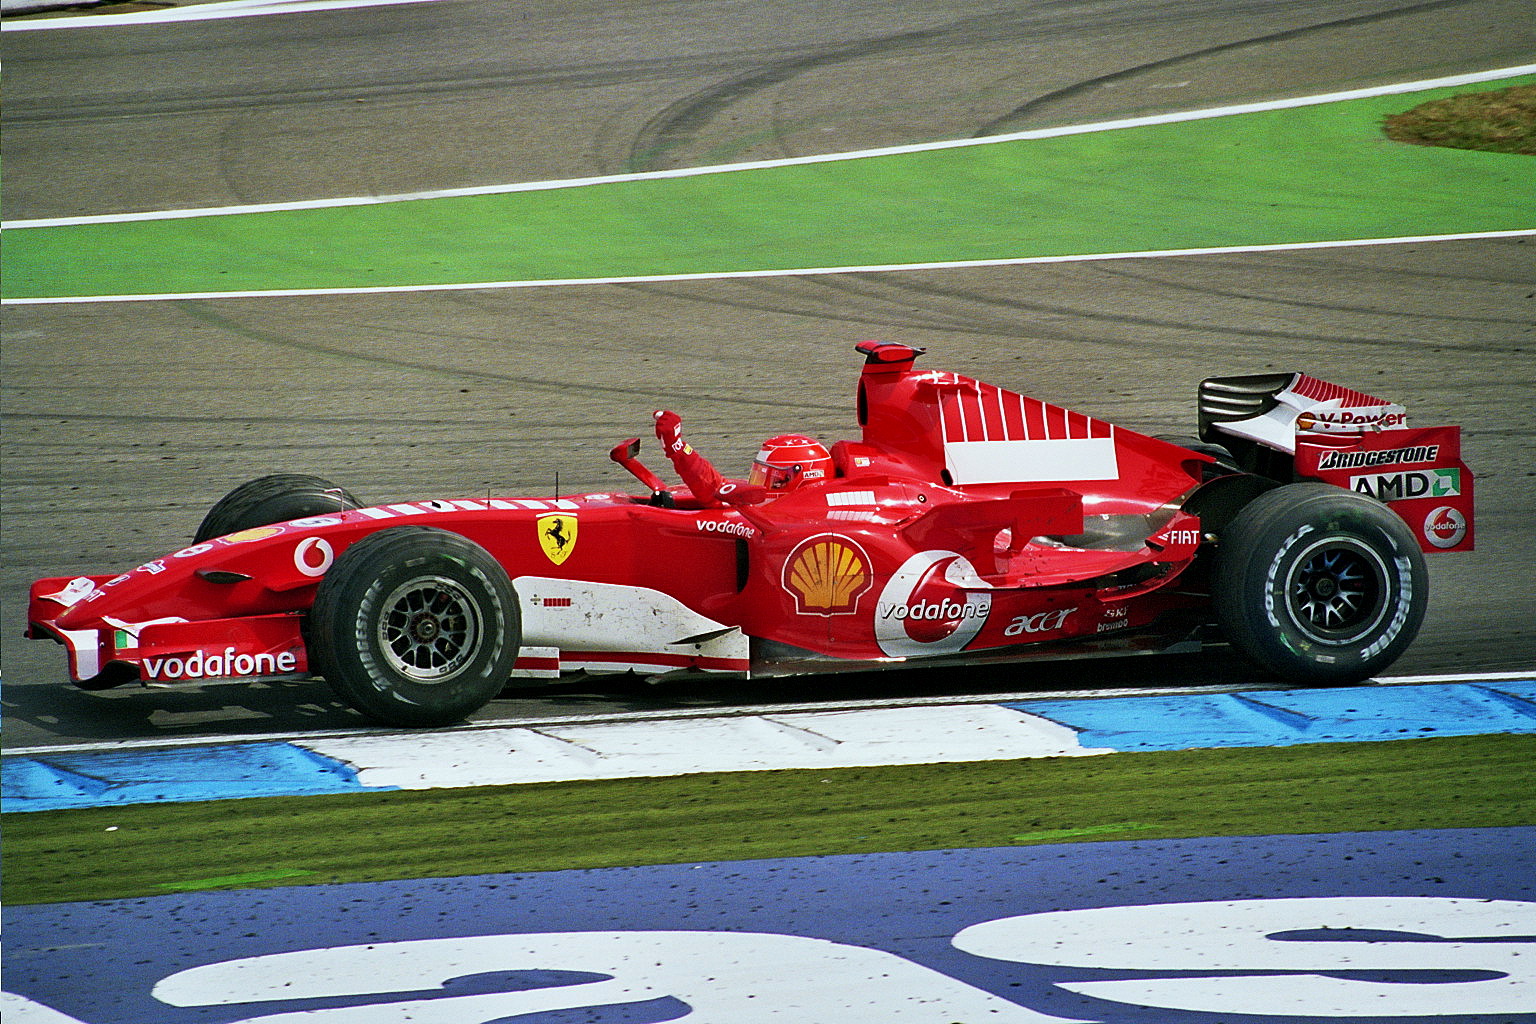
(99, 962)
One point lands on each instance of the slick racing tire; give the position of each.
(415, 626)
(1318, 584)
(273, 499)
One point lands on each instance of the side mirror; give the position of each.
(625, 454)
(625, 450)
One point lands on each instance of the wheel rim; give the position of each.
(1337, 591)
(429, 629)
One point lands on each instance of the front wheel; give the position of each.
(1319, 584)
(415, 627)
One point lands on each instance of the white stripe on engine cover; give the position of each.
(995, 462)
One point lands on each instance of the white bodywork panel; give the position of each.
(607, 627)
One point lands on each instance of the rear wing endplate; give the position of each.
(1353, 440)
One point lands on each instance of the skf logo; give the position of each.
(827, 574)
(557, 536)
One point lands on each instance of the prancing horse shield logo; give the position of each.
(557, 536)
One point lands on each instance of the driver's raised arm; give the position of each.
(701, 477)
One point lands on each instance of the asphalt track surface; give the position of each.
(123, 422)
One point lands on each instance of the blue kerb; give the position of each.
(1256, 719)
(217, 772)
(1285, 718)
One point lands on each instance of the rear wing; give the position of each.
(1348, 438)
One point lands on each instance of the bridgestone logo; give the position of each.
(1388, 457)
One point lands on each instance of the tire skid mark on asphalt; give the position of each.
(563, 386)
(1141, 273)
(1232, 110)
(1117, 77)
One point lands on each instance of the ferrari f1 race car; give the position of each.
(968, 524)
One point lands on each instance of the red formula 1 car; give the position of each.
(968, 524)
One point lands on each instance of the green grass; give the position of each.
(154, 849)
(1501, 121)
(1309, 174)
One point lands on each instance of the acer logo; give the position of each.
(1040, 622)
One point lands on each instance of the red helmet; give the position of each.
(789, 460)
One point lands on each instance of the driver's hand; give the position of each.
(669, 428)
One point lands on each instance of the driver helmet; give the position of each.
(789, 460)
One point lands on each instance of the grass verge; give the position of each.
(153, 849)
(1501, 121)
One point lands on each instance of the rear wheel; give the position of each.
(276, 498)
(415, 627)
(1318, 584)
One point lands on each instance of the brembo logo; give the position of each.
(215, 664)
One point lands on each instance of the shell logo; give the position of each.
(827, 574)
(253, 534)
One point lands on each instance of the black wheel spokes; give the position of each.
(1335, 591)
(428, 631)
(1332, 590)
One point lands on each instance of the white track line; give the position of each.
(788, 272)
(198, 12)
(689, 172)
